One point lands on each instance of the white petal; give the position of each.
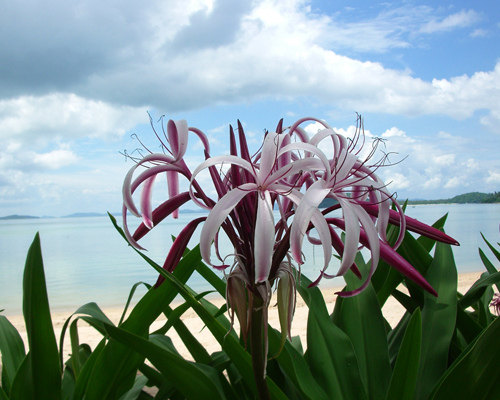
(264, 237)
(217, 216)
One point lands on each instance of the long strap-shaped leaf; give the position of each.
(42, 363)
(12, 350)
(187, 377)
(438, 320)
(360, 317)
(229, 343)
(330, 353)
(404, 375)
(475, 375)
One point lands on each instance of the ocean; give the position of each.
(85, 259)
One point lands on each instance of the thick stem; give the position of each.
(258, 345)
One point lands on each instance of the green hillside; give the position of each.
(466, 198)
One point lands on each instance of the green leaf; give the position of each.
(428, 243)
(22, 385)
(12, 350)
(493, 250)
(97, 321)
(3, 395)
(330, 353)
(295, 368)
(475, 375)
(360, 317)
(115, 370)
(229, 343)
(404, 375)
(83, 378)
(191, 380)
(44, 356)
(438, 320)
(133, 394)
(478, 288)
(130, 296)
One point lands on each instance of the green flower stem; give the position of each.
(258, 345)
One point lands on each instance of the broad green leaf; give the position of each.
(330, 353)
(295, 368)
(438, 320)
(3, 395)
(22, 385)
(395, 336)
(360, 317)
(12, 350)
(475, 375)
(45, 367)
(404, 375)
(83, 378)
(191, 380)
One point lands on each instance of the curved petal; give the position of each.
(217, 216)
(269, 155)
(128, 187)
(306, 211)
(177, 132)
(147, 213)
(351, 236)
(263, 237)
(214, 161)
(173, 188)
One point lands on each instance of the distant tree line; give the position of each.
(466, 198)
(473, 197)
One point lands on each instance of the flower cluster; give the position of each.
(292, 173)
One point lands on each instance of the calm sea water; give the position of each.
(86, 260)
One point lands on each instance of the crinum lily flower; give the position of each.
(290, 173)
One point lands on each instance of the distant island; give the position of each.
(467, 198)
(15, 216)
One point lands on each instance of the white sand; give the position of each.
(392, 311)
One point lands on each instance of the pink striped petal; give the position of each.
(146, 202)
(173, 188)
(177, 133)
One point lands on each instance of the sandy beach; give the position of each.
(392, 311)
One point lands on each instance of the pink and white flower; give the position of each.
(292, 174)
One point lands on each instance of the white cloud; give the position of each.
(461, 19)
(479, 33)
(397, 181)
(55, 159)
(392, 132)
(445, 159)
(453, 183)
(256, 63)
(67, 116)
(493, 177)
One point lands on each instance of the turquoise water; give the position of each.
(86, 260)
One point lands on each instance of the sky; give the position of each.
(78, 79)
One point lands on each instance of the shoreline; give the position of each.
(392, 311)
